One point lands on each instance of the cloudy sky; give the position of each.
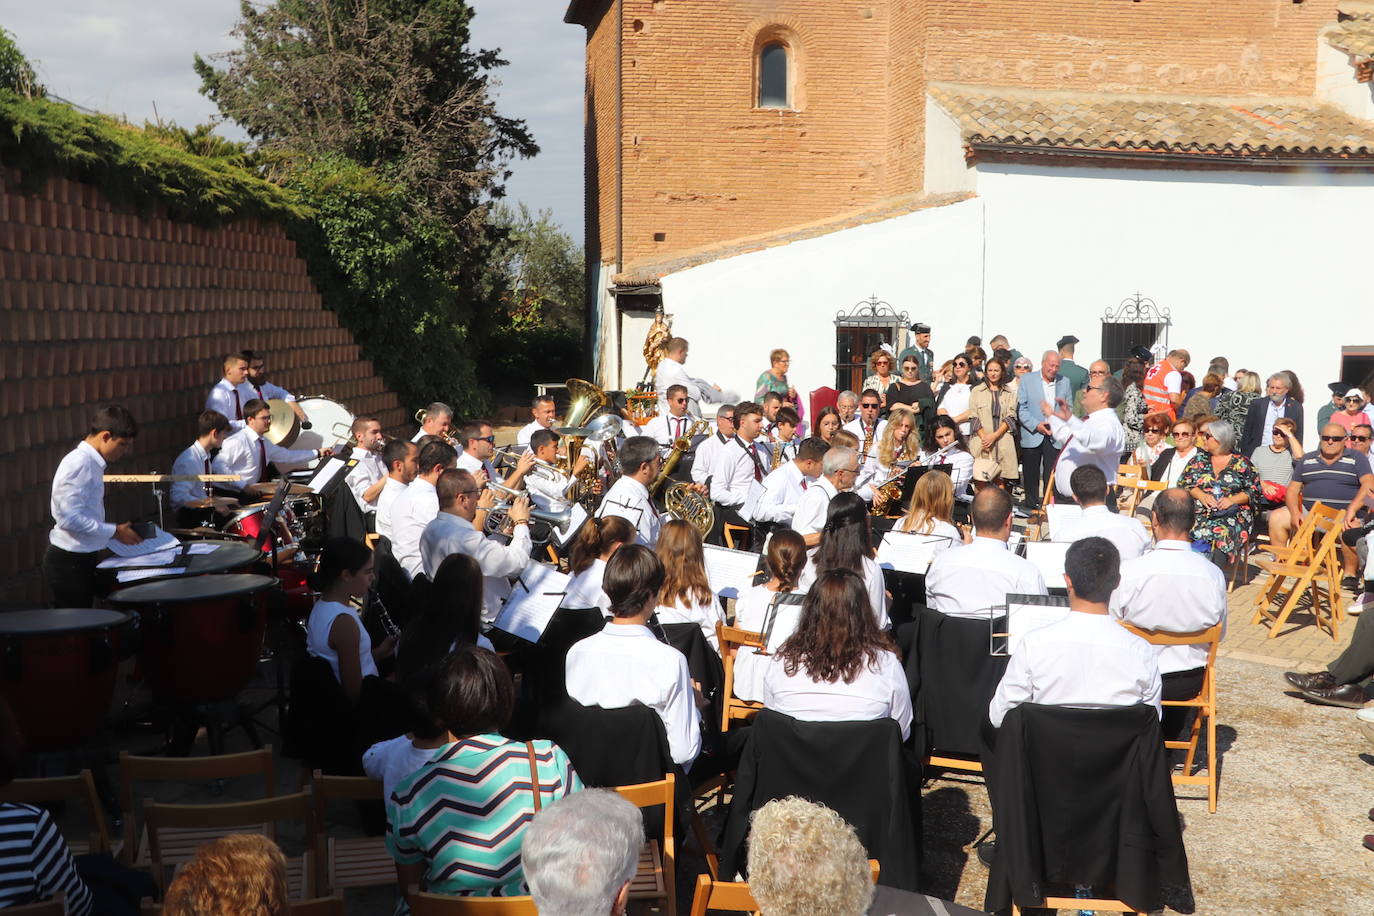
(133, 58)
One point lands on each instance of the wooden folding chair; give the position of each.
(728, 532)
(174, 832)
(731, 639)
(49, 789)
(1079, 903)
(423, 904)
(56, 906)
(735, 895)
(348, 861)
(1317, 574)
(1205, 703)
(655, 878)
(1037, 523)
(333, 905)
(1132, 477)
(132, 769)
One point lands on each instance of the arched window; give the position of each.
(774, 91)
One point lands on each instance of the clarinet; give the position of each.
(374, 600)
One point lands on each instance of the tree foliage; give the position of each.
(377, 113)
(16, 73)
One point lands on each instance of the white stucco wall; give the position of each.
(1268, 269)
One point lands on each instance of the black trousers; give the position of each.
(1036, 464)
(1356, 664)
(727, 515)
(1179, 685)
(72, 577)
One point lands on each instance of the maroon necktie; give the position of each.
(803, 484)
(262, 462)
(238, 408)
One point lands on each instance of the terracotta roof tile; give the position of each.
(1353, 35)
(1101, 121)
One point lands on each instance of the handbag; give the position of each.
(1274, 493)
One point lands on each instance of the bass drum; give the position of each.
(324, 416)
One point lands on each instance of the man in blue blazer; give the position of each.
(1038, 453)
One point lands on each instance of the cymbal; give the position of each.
(216, 502)
(285, 424)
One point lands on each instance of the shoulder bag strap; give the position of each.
(534, 774)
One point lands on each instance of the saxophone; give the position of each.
(680, 500)
(776, 449)
(868, 441)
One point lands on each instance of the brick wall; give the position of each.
(101, 305)
(703, 166)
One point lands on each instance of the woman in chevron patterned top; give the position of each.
(454, 826)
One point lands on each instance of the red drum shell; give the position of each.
(248, 524)
(201, 636)
(57, 672)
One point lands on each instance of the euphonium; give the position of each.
(681, 500)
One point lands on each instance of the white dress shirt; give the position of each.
(268, 391)
(663, 428)
(78, 502)
(584, 589)
(1176, 590)
(874, 693)
(968, 579)
(705, 456)
(873, 584)
(734, 473)
(548, 490)
(369, 469)
(705, 616)
(194, 460)
(1097, 439)
(415, 508)
(447, 534)
(629, 499)
(1088, 661)
(856, 427)
(386, 500)
(472, 465)
(239, 455)
(625, 664)
(781, 494)
(1127, 534)
(522, 438)
(670, 372)
(221, 398)
(815, 504)
(751, 613)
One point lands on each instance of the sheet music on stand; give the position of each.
(730, 572)
(159, 542)
(909, 552)
(1048, 557)
(328, 473)
(579, 518)
(1056, 514)
(1023, 614)
(536, 594)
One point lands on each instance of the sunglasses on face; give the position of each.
(869, 406)
(1204, 435)
(491, 439)
(961, 363)
(1181, 432)
(679, 400)
(1354, 400)
(1358, 438)
(1333, 438)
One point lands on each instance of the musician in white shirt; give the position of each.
(772, 610)
(451, 531)
(596, 543)
(542, 412)
(1090, 492)
(866, 427)
(847, 543)
(951, 449)
(896, 449)
(686, 595)
(784, 488)
(1173, 589)
(212, 427)
(738, 472)
(838, 666)
(548, 488)
(479, 444)
(436, 420)
(839, 470)
(247, 452)
(1087, 660)
(779, 444)
(367, 479)
(675, 423)
(626, 664)
(628, 497)
(264, 390)
(705, 454)
(671, 371)
(1097, 439)
(417, 506)
(970, 579)
(232, 393)
(77, 505)
(401, 458)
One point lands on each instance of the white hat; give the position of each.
(1355, 393)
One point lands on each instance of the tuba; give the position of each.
(680, 500)
(585, 422)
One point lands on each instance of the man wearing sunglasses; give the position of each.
(705, 453)
(866, 427)
(1335, 476)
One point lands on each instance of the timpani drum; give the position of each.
(201, 636)
(248, 523)
(222, 557)
(57, 671)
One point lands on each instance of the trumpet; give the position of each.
(449, 437)
(497, 514)
(344, 433)
(512, 456)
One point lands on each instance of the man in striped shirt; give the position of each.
(1336, 477)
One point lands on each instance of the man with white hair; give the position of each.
(580, 853)
(839, 470)
(847, 404)
(1259, 422)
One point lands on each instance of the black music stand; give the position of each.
(915, 473)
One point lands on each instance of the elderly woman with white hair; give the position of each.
(805, 860)
(1226, 487)
(580, 853)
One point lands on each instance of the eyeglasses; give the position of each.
(872, 406)
(1205, 435)
(961, 363)
(1358, 438)
(491, 439)
(726, 417)
(1097, 371)
(1333, 438)
(1353, 400)
(1023, 367)
(1182, 433)
(679, 400)
(882, 362)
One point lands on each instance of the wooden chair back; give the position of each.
(348, 861)
(730, 640)
(423, 904)
(56, 906)
(332, 905)
(1133, 477)
(656, 877)
(735, 895)
(174, 831)
(134, 769)
(1306, 569)
(48, 789)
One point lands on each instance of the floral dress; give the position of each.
(1133, 417)
(1228, 529)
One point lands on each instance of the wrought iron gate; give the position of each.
(1136, 322)
(858, 332)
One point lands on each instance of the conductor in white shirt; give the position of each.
(1097, 439)
(1173, 589)
(1089, 487)
(232, 393)
(968, 580)
(417, 505)
(626, 664)
(628, 497)
(839, 470)
(1087, 660)
(368, 477)
(784, 489)
(79, 529)
(452, 531)
(247, 452)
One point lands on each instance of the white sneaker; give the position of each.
(1358, 605)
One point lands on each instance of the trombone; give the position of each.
(450, 437)
(511, 456)
(498, 514)
(347, 435)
